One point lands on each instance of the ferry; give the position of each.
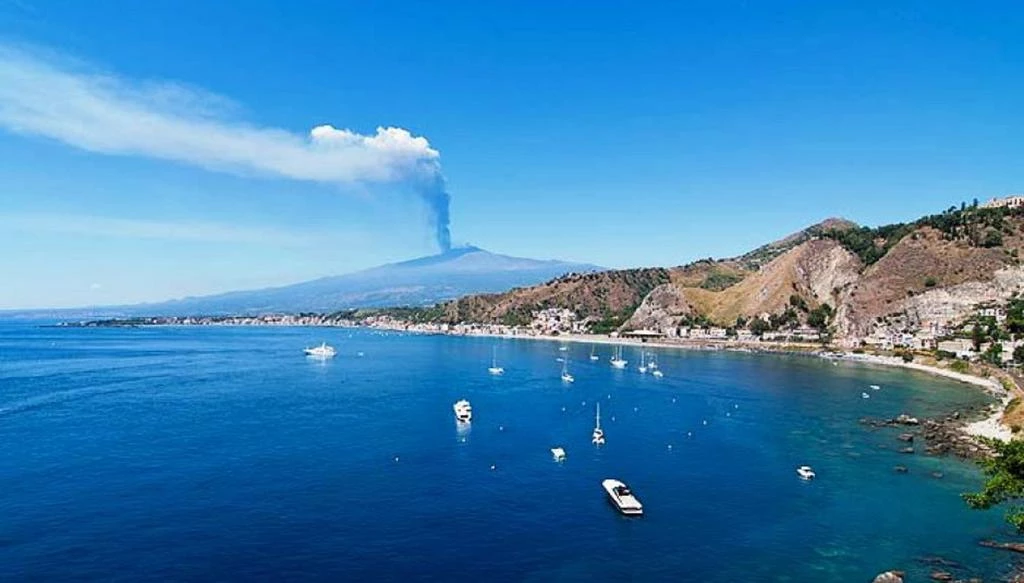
(622, 497)
(463, 411)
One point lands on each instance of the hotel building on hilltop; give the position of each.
(1013, 201)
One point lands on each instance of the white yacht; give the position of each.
(463, 411)
(622, 497)
(805, 472)
(558, 453)
(593, 355)
(616, 359)
(494, 369)
(566, 377)
(322, 351)
(597, 438)
(643, 362)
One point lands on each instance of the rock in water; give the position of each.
(890, 577)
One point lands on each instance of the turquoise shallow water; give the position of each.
(224, 454)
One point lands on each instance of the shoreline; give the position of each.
(989, 427)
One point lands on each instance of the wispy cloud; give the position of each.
(56, 98)
(111, 227)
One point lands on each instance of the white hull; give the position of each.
(622, 498)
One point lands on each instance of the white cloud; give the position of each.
(56, 99)
(111, 227)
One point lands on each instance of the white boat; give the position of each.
(865, 396)
(657, 373)
(593, 356)
(563, 348)
(622, 497)
(652, 363)
(566, 377)
(597, 438)
(616, 359)
(463, 411)
(322, 351)
(875, 387)
(558, 453)
(643, 363)
(494, 369)
(805, 472)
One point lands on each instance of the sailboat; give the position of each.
(566, 377)
(652, 363)
(593, 356)
(616, 360)
(597, 438)
(494, 368)
(643, 363)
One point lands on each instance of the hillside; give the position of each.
(848, 280)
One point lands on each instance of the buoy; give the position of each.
(673, 399)
(501, 428)
(613, 417)
(563, 409)
(635, 409)
(735, 406)
(728, 414)
(705, 422)
(493, 467)
(670, 446)
(396, 458)
(689, 434)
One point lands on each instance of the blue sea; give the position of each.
(218, 454)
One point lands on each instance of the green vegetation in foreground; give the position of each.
(1004, 483)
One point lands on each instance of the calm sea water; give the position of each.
(224, 454)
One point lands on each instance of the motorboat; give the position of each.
(875, 387)
(865, 396)
(566, 377)
(558, 453)
(463, 411)
(322, 351)
(616, 359)
(494, 369)
(622, 497)
(805, 472)
(657, 373)
(597, 437)
(563, 348)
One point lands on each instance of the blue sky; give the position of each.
(163, 149)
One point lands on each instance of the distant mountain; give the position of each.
(418, 282)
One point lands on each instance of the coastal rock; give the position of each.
(904, 419)
(1015, 547)
(889, 577)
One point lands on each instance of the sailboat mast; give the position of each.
(598, 426)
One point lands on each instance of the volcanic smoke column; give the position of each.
(395, 155)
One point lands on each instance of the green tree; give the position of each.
(977, 336)
(994, 354)
(758, 326)
(1004, 482)
(819, 317)
(1018, 354)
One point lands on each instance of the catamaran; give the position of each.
(597, 438)
(494, 369)
(322, 351)
(616, 359)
